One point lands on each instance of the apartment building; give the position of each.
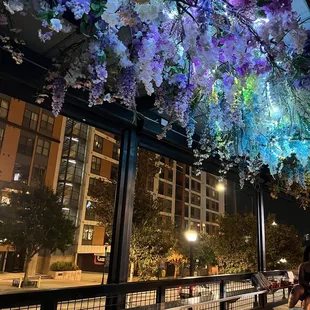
(30, 148)
(71, 155)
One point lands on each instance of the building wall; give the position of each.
(30, 148)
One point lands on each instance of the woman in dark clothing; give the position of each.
(302, 291)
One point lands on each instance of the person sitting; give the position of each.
(302, 290)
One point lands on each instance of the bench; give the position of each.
(32, 282)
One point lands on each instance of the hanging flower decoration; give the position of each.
(240, 66)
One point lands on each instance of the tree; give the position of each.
(177, 260)
(33, 221)
(235, 244)
(282, 242)
(151, 238)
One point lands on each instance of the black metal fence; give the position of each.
(222, 292)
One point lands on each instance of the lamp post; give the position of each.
(191, 236)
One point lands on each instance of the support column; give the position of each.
(119, 257)
(260, 218)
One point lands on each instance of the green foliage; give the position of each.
(64, 266)
(33, 221)
(282, 241)
(235, 244)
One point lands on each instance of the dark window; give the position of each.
(88, 233)
(186, 196)
(114, 172)
(115, 152)
(186, 182)
(30, 119)
(91, 185)
(208, 216)
(187, 169)
(178, 207)
(211, 180)
(4, 108)
(25, 145)
(47, 122)
(195, 213)
(186, 211)
(195, 186)
(215, 206)
(179, 192)
(179, 178)
(169, 190)
(195, 199)
(167, 205)
(38, 174)
(161, 188)
(21, 173)
(95, 165)
(1, 136)
(90, 213)
(98, 144)
(43, 147)
(180, 167)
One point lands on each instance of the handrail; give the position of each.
(66, 294)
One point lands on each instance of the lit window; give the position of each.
(30, 119)
(95, 165)
(47, 122)
(43, 147)
(88, 233)
(4, 108)
(98, 144)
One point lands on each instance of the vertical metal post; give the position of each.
(160, 298)
(119, 256)
(222, 294)
(260, 218)
(191, 260)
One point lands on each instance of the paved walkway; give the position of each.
(88, 278)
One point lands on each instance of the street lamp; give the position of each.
(191, 236)
(220, 186)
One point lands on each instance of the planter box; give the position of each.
(66, 275)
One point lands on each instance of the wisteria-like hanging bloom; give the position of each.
(241, 66)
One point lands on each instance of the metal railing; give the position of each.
(221, 292)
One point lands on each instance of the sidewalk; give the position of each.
(88, 278)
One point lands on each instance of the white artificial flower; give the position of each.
(149, 11)
(14, 6)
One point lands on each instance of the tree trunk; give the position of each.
(27, 262)
(132, 270)
(176, 269)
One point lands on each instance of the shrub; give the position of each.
(64, 266)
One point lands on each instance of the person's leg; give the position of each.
(295, 295)
(307, 303)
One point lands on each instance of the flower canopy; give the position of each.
(240, 66)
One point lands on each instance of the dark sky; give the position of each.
(287, 210)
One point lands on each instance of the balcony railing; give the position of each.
(222, 292)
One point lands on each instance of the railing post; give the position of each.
(263, 301)
(160, 298)
(222, 294)
(260, 214)
(49, 304)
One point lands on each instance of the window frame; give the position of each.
(43, 147)
(49, 126)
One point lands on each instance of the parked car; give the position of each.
(195, 291)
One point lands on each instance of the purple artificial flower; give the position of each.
(278, 6)
(182, 104)
(127, 87)
(44, 23)
(228, 80)
(56, 24)
(79, 7)
(239, 3)
(58, 94)
(45, 36)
